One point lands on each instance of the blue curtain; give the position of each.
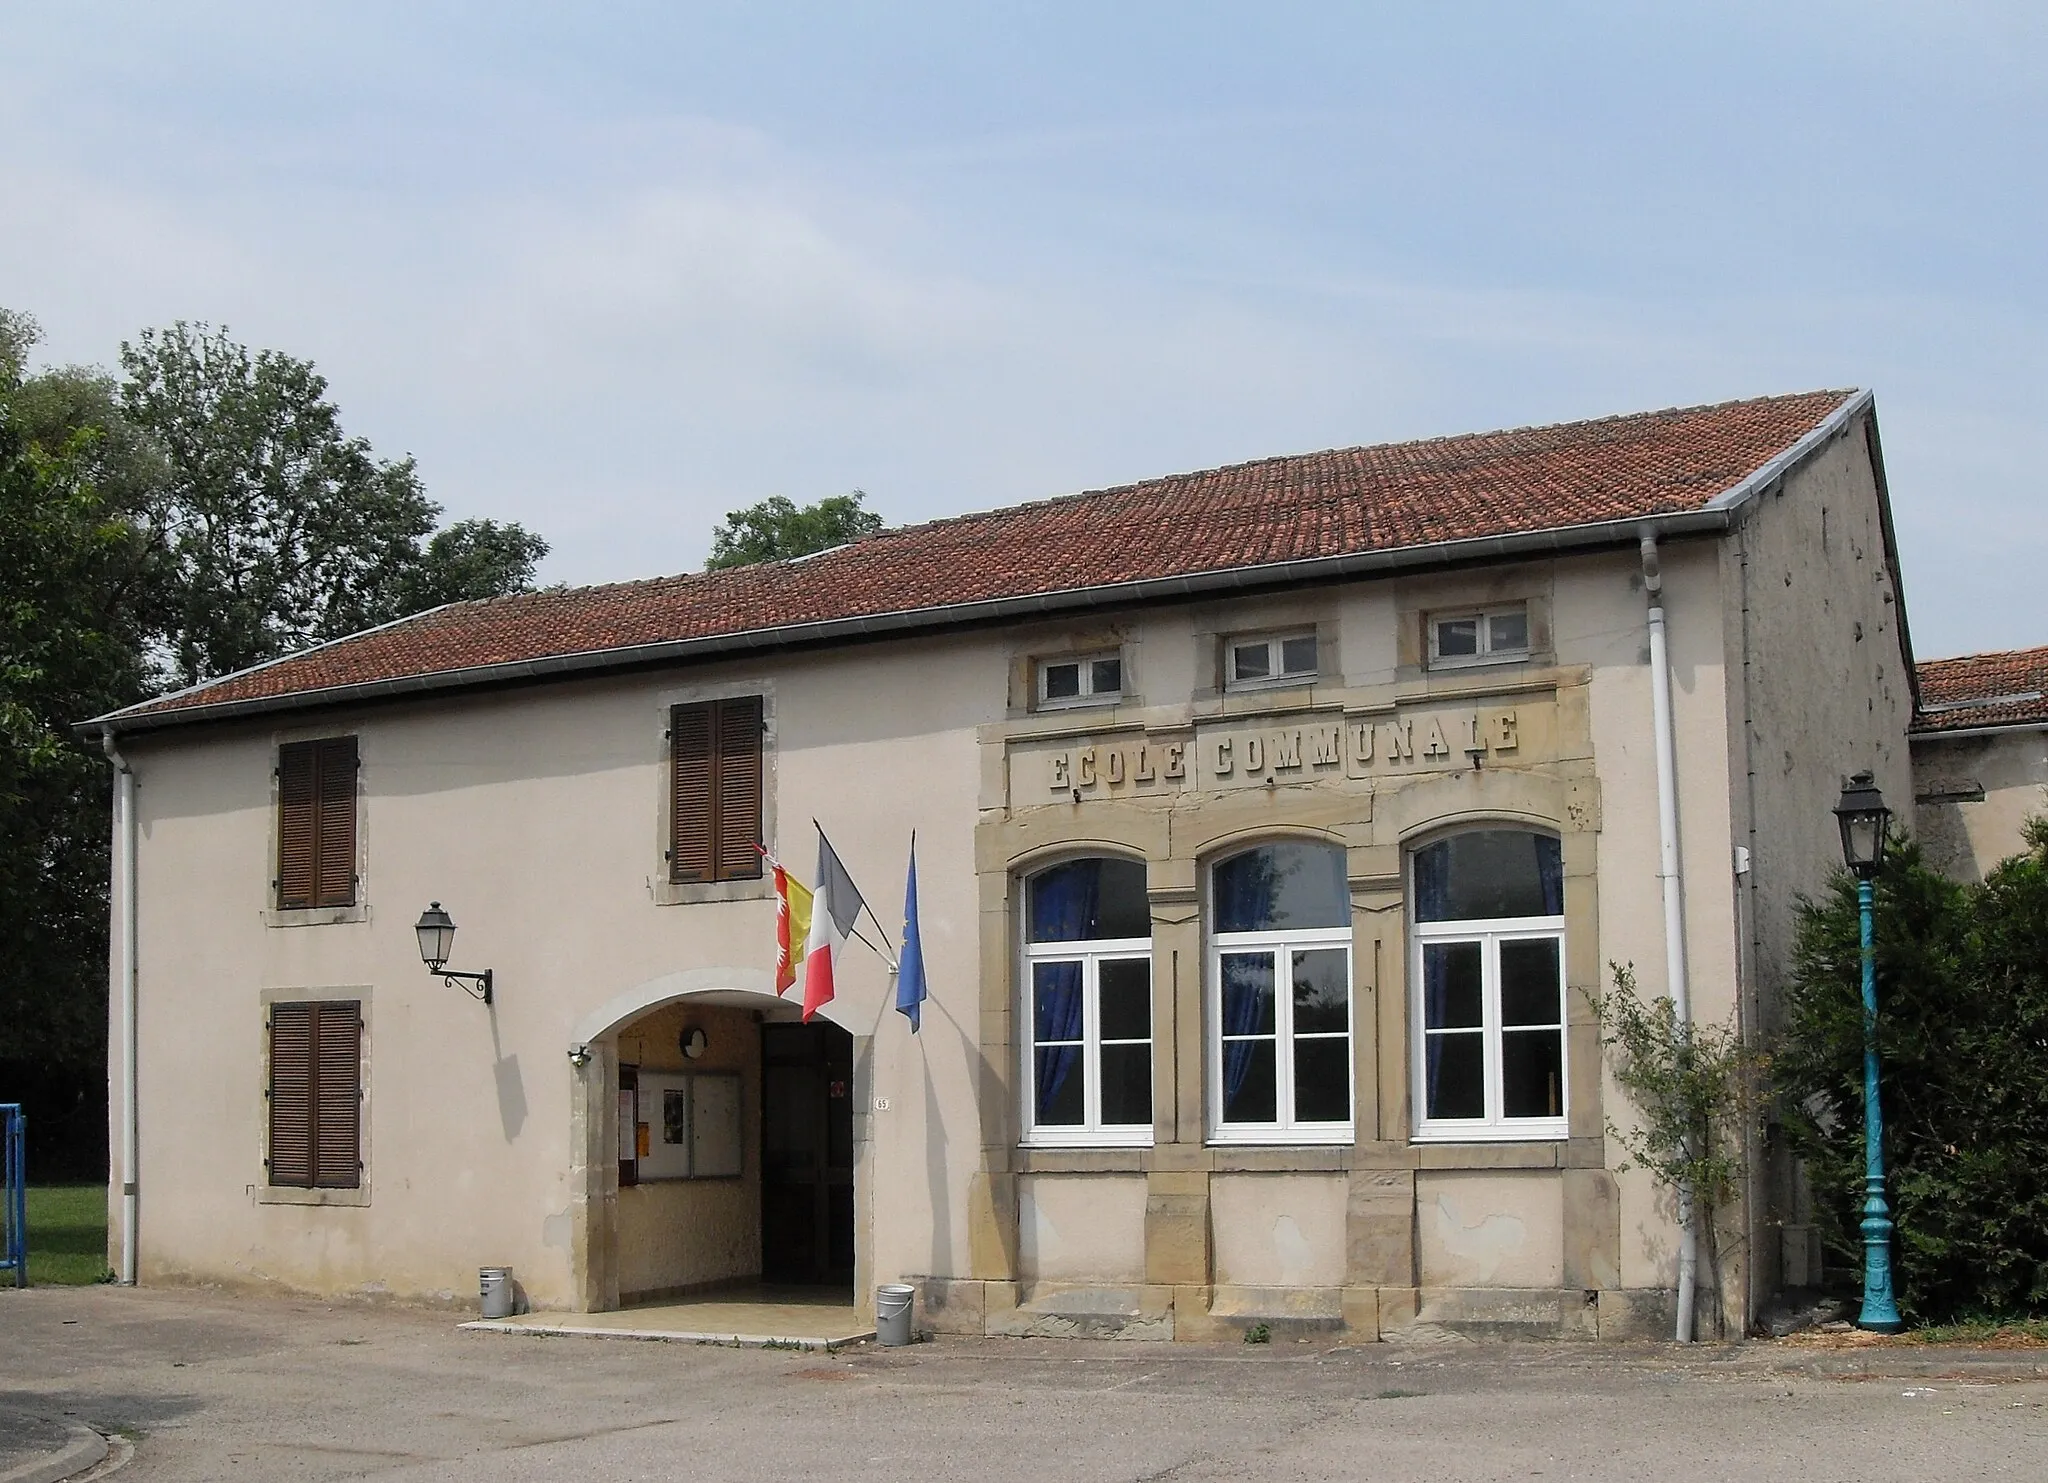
(1056, 995)
(1550, 866)
(1240, 1017)
(1065, 901)
(1064, 904)
(1435, 973)
(1433, 882)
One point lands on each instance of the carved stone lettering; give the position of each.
(1504, 732)
(1433, 744)
(1400, 737)
(1141, 770)
(1084, 770)
(1113, 770)
(1254, 754)
(1323, 745)
(1060, 783)
(1222, 765)
(1361, 741)
(1286, 750)
(1176, 762)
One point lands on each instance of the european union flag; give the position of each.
(910, 989)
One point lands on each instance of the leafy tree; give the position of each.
(71, 567)
(1963, 1036)
(279, 530)
(777, 530)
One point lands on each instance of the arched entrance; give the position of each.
(716, 1145)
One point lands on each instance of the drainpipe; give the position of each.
(124, 971)
(1669, 877)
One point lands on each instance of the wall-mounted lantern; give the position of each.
(436, 931)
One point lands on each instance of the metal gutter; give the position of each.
(1717, 517)
(2000, 729)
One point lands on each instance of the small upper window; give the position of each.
(1486, 637)
(1084, 680)
(1266, 661)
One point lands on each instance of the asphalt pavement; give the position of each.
(207, 1386)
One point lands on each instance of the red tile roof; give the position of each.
(1395, 497)
(1972, 690)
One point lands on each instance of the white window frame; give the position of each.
(1487, 654)
(1091, 1132)
(1282, 944)
(1495, 1127)
(1086, 665)
(1275, 646)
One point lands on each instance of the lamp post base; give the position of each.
(1880, 1313)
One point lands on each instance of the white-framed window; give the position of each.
(1485, 636)
(1488, 970)
(1083, 679)
(1279, 985)
(1087, 985)
(1269, 659)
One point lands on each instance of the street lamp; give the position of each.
(1863, 819)
(436, 932)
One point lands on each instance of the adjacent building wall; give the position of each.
(1972, 795)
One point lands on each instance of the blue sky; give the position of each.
(618, 270)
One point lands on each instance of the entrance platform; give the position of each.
(769, 1319)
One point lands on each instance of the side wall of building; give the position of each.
(1821, 691)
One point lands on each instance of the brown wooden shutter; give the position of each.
(337, 1095)
(692, 854)
(297, 825)
(291, 1094)
(739, 788)
(335, 877)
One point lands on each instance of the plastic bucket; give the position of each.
(894, 1302)
(494, 1287)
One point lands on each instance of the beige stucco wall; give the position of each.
(1972, 794)
(1490, 1230)
(1279, 1230)
(1085, 1228)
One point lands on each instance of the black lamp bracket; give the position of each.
(476, 985)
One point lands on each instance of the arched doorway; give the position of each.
(718, 1152)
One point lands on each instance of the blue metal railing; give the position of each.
(14, 1193)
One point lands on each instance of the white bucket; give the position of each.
(494, 1287)
(894, 1302)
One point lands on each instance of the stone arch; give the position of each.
(670, 988)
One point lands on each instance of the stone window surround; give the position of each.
(317, 916)
(664, 891)
(262, 1190)
(1377, 827)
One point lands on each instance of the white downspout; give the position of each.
(1670, 878)
(124, 971)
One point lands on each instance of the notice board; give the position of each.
(694, 1123)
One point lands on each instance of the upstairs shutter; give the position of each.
(337, 1095)
(692, 852)
(291, 1094)
(297, 825)
(739, 788)
(335, 877)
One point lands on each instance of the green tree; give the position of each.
(72, 566)
(777, 530)
(1963, 1037)
(278, 529)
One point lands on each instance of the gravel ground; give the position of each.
(212, 1386)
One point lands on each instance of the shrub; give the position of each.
(1963, 1036)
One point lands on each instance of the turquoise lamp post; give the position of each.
(1863, 819)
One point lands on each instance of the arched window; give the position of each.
(1280, 996)
(1088, 989)
(1489, 985)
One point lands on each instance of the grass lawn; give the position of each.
(67, 1233)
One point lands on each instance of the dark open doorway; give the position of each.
(807, 1155)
